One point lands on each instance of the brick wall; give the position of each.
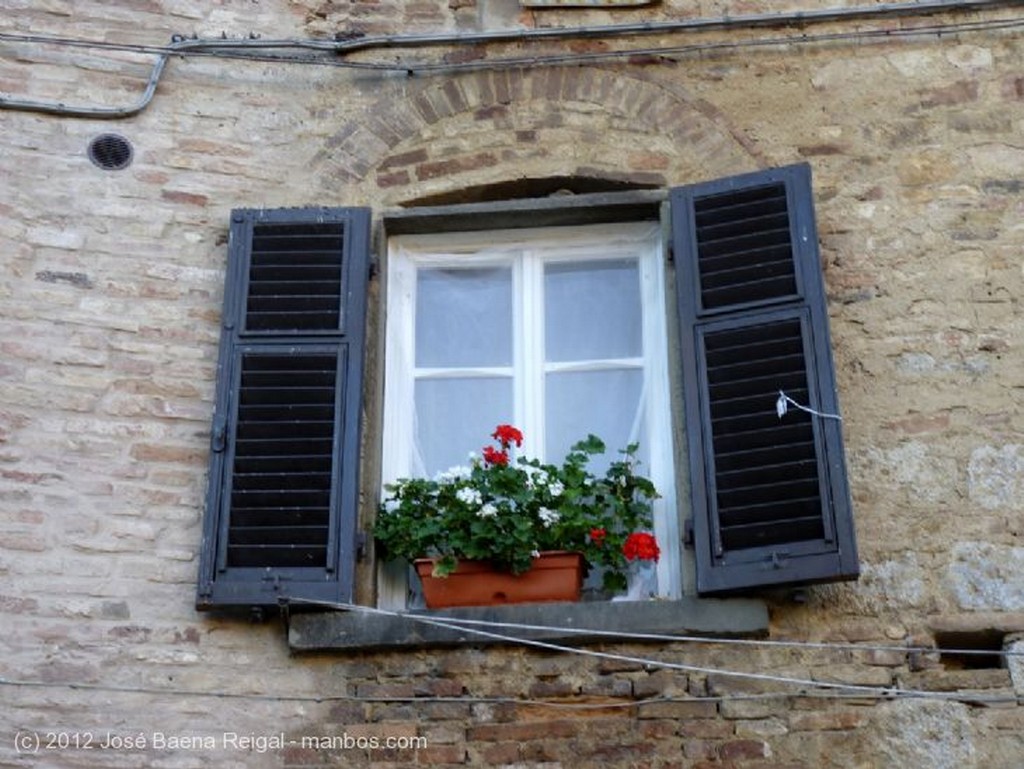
(110, 293)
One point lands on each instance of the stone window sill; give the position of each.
(358, 631)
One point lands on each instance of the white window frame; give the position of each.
(527, 251)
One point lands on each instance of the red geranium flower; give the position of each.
(641, 545)
(507, 435)
(597, 536)
(494, 457)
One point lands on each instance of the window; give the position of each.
(500, 325)
(560, 331)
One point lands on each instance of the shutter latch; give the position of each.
(688, 536)
(778, 559)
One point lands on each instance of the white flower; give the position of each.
(535, 477)
(548, 517)
(391, 504)
(453, 474)
(556, 489)
(535, 553)
(487, 511)
(469, 496)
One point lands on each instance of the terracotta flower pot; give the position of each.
(554, 576)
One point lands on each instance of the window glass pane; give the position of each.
(464, 317)
(455, 416)
(605, 403)
(592, 310)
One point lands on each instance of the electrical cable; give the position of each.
(467, 699)
(251, 49)
(244, 48)
(624, 636)
(883, 692)
(808, 688)
(348, 43)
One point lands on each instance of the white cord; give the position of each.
(883, 692)
(817, 689)
(784, 401)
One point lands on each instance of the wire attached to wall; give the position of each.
(804, 687)
(336, 53)
(784, 402)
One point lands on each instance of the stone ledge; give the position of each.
(357, 631)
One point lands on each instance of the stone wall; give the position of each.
(110, 293)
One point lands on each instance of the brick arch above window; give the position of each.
(424, 137)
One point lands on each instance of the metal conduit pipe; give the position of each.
(749, 21)
(244, 48)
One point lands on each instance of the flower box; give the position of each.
(553, 576)
(502, 511)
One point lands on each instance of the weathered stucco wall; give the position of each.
(110, 291)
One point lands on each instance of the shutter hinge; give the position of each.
(361, 540)
(688, 535)
(219, 438)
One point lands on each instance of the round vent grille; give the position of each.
(110, 152)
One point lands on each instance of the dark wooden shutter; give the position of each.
(283, 487)
(770, 499)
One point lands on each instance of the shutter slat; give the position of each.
(783, 435)
(283, 556)
(279, 480)
(282, 516)
(763, 457)
(751, 404)
(756, 368)
(284, 398)
(783, 533)
(755, 475)
(740, 204)
(287, 498)
(781, 489)
(272, 430)
(283, 447)
(292, 253)
(736, 247)
(274, 536)
(290, 274)
(751, 419)
(300, 462)
(304, 301)
(775, 512)
(764, 259)
(760, 387)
